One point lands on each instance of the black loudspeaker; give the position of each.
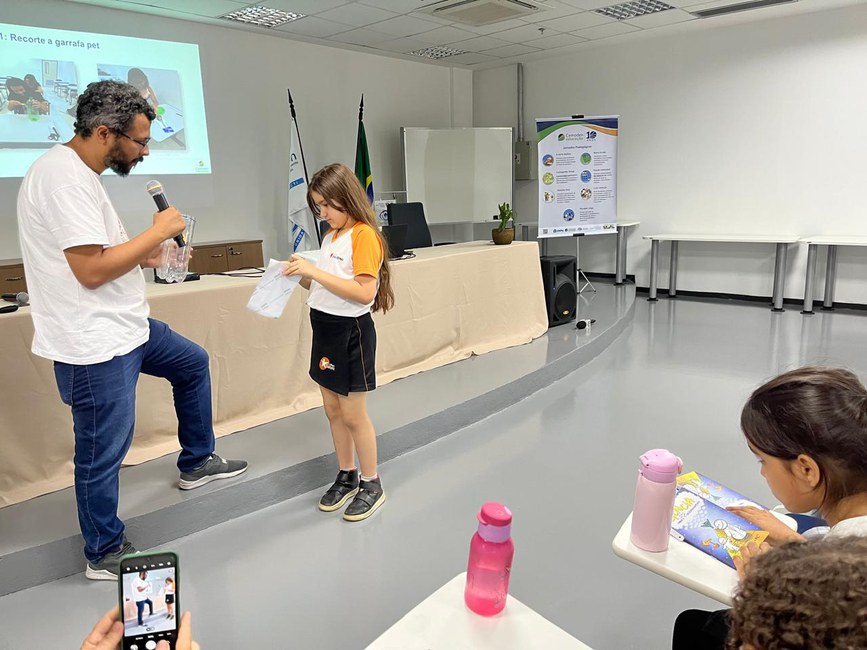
(559, 275)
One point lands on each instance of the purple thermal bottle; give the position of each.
(490, 564)
(654, 499)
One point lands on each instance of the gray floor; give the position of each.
(564, 461)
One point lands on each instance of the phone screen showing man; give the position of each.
(149, 600)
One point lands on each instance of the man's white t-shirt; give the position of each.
(145, 588)
(61, 204)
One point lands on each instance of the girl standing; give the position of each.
(350, 280)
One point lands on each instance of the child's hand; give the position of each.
(748, 552)
(297, 265)
(778, 532)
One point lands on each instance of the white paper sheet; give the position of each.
(273, 290)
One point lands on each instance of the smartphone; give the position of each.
(149, 599)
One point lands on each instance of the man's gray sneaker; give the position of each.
(214, 468)
(108, 566)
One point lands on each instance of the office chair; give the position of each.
(411, 215)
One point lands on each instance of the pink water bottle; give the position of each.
(654, 499)
(490, 564)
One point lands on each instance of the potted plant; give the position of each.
(504, 234)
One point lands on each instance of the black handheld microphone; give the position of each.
(155, 189)
(8, 308)
(586, 322)
(21, 298)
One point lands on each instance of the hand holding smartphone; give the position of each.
(148, 594)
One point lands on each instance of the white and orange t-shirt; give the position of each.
(352, 253)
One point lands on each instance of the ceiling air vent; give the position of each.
(740, 6)
(483, 12)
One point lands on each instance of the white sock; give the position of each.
(369, 478)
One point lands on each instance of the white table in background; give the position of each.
(832, 242)
(779, 268)
(620, 248)
(443, 622)
(685, 564)
(620, 256)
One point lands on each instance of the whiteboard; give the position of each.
(460, 175)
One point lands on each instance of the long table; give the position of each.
(450, 302)
(781, 242)
(832, 243)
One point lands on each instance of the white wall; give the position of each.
(750, 128)
(246, 194)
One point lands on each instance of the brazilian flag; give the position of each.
(362, 157)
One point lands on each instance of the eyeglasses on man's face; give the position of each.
(142, 143)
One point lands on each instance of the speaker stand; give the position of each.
(582, 277)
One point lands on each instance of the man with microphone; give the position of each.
(90, 315)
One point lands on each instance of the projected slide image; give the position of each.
(162, 90)
(36, 96)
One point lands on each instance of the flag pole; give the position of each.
(298, 133)
(301, 149)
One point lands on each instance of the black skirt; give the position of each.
(343, 357)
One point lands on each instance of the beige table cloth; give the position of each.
(450, 302)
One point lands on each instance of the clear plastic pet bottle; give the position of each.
(490, 563)
(176, 259)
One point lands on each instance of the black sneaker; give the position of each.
(108, 566)
(370, 496)
(213, 469)
(343, 489)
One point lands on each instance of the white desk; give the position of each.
(443, 622)
(45, 132)
(781, 242)
(620, 248)
(685, 564)
(832, 243)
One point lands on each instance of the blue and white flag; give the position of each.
(302, 224)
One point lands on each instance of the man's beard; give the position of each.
(116, 163)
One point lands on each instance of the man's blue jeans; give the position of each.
(102, 398)
(140, 605)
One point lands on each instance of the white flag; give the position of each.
(302, 224)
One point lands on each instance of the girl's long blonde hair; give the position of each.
(340, 188)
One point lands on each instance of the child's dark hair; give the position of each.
(805, 595)
(819, 412)
(341, 189)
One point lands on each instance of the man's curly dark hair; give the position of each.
(804, 596)
(110, 103)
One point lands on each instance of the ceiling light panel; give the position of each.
(262, 16)
(634, 9)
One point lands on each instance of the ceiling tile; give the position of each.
(357, 15)
(515, 49)
(661, 18)
(557, 10)
(359, 36)
(575, 22)
(604, 31)
(558, 40)
(306, 7)
(400, 6)
(444, 35)
(402, 45)
(404, 26)
(314, 27)
(469, 58)
(594, 4)
(211, 8)
(480, 43)
(524, 34)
